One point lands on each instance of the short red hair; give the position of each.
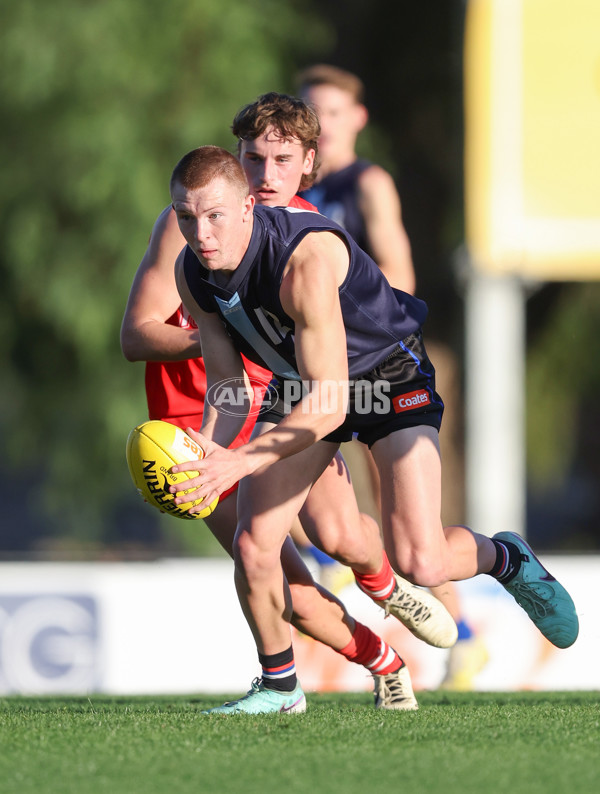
(201, 166)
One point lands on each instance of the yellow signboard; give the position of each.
(532, 137)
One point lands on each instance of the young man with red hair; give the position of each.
(277, 146)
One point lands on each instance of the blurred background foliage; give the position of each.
(99, 99)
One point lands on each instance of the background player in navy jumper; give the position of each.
(362, 197)
(293, 291)
(356, 193)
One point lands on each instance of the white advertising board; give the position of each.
(175, 627)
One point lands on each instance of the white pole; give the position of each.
(495, 370)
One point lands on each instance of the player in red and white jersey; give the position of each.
(277, 138)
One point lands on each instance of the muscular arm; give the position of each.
(145, 335)
(389, 244)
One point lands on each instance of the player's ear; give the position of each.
(309, 161)
(248, 206)
(361, 117)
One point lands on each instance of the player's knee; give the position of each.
(254, 559)
(420, 568)
(429, 574)
(349, 543)
(326, 532)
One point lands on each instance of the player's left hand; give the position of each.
(220, 469)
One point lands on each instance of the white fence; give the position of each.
(176, 627)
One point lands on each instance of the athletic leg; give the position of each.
(408, 461)
(268, 501)
(318, 614)
(426, 553)
(331, 519)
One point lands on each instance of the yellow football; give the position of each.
(152, 449)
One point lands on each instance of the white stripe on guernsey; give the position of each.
(235, 314)
(385, 658)
(268, 329)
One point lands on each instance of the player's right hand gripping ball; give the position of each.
(152, 449)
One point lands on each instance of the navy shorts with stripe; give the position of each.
(398, 393)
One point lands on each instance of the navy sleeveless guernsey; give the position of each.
(336, 197)
(376, 316)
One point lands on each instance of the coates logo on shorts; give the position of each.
(238, 397)
(411, 400)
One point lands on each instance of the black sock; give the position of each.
(279, 670)
(508, 561)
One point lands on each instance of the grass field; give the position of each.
(455, 744)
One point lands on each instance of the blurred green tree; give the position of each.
(99, 99)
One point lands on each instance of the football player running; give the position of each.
(277, 146)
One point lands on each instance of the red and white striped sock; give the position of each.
(372, 652)
(380, 585)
